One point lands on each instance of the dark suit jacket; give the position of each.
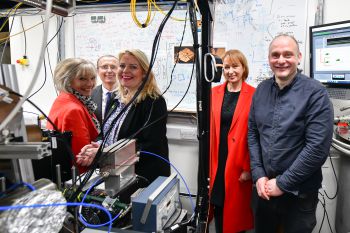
(97, 98)
(151, 139)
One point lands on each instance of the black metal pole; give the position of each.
(203, 110)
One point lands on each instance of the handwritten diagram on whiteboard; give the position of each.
(97, 34)
(247, 25)
(250, 25)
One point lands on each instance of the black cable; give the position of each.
(99, 153)
(31, 113)
(42, 85)
(69, 149)
(143, 178)
(34, 105)
(49, 60)
(58, 55)
(180, 46)
(25, 38)
(188, 87)
(152, 60)
(162, 117)
(56, 35)
(325, 213)
(146, 125)
(336, 181)
(47, 50)
(45, 72)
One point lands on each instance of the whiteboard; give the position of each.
(250, 25)
(247, 25)
(97, 34)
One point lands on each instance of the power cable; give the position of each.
(99, 153)
(336, 181)
(325, 213)
(25, 38)
(45, 72)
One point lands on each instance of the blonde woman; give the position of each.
(146, 108)
(73, 109)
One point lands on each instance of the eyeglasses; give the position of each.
(106, 67)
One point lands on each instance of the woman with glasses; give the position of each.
(144, 119)
(73, 109)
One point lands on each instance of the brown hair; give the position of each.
(236, 55)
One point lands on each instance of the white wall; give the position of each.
(44, 98)
(336, 10)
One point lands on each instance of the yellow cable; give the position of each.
(134, 17)
(5, 38)
(12, 9)
(78, 197)
(7, 12)
(161, 11)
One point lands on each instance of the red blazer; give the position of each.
(237, 213)
(69, 114)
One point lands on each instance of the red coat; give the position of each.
(69, 114)
(237, 215)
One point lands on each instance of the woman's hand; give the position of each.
(245, 176)
(87, 154)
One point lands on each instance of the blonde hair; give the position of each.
(236, 55)
(69, 69)
(150, 89)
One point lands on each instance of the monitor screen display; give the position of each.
(330, 53)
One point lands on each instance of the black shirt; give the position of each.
(227, 110)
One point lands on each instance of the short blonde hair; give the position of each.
(71, 68)
(150, 89)
(236, 55)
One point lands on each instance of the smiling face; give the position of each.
(130, 72)
(284, 57)
(107, 71)
(233, 71)
(83, 84)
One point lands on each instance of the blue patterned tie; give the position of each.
(108, 101)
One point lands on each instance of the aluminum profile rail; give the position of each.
(29, 150)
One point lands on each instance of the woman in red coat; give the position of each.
(230, 179)
(73, 109)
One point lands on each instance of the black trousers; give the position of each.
(292, 214)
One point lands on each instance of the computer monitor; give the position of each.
(330, 53)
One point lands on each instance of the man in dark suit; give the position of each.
(107, 67)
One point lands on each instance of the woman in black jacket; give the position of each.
(148, 107)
